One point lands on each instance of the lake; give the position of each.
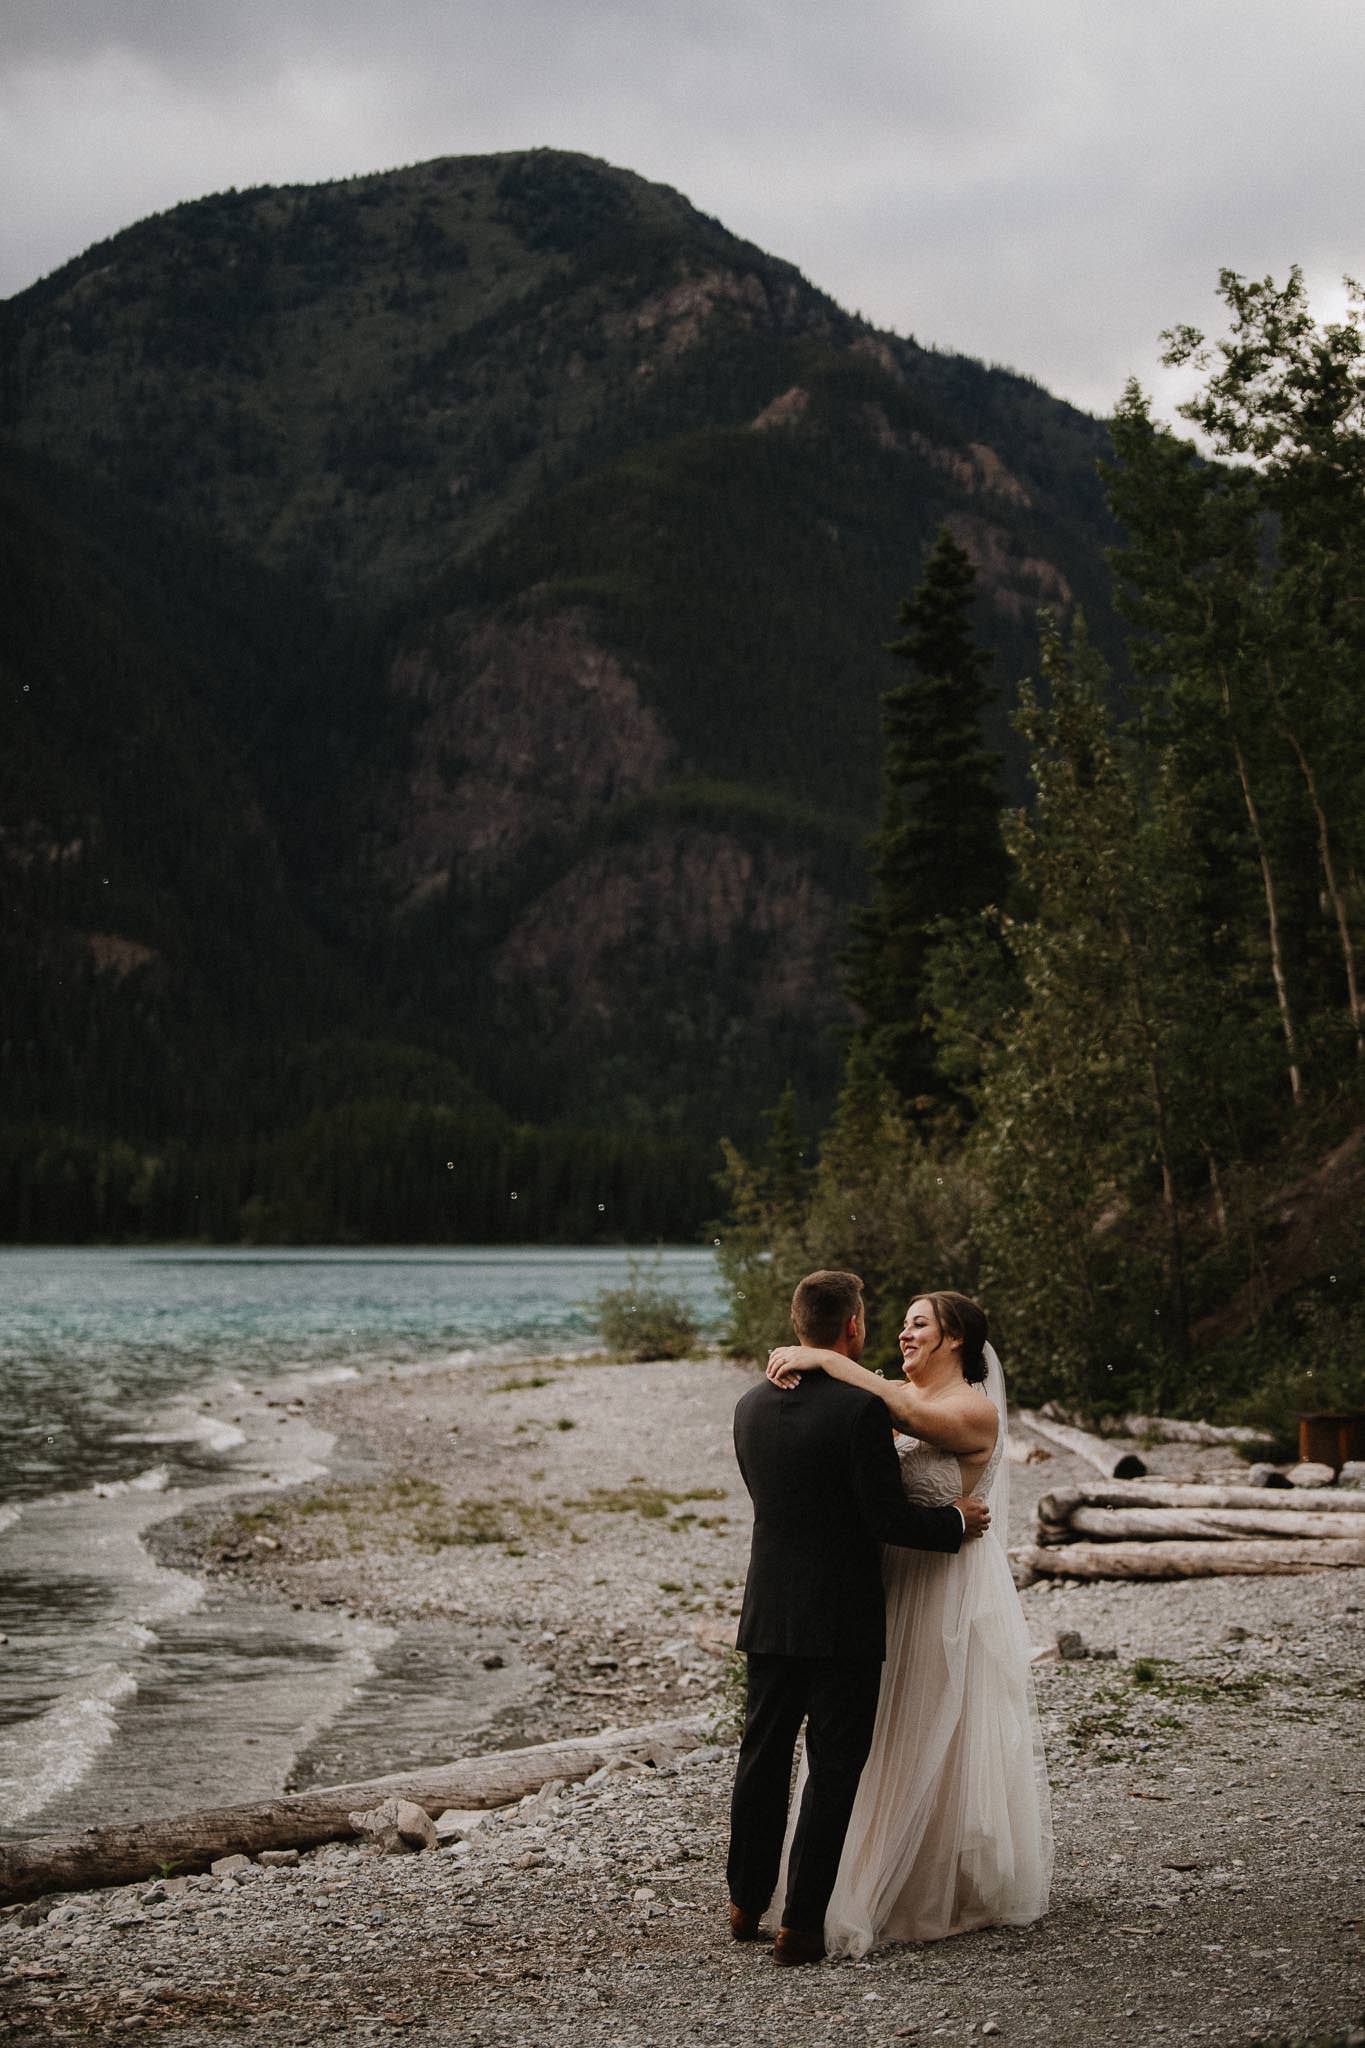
(132, 1381)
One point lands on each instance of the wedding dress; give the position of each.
(952, 1825)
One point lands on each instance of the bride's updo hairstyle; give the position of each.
(959, 1316)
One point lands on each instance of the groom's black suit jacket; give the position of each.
(825, 1479)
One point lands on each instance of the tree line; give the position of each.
(362, 1172)
(1107, 1069)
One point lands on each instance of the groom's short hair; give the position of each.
(824, 1305)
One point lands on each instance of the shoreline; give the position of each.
(574, 1514)
(1204, 1760)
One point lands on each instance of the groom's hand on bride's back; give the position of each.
(975, 1514)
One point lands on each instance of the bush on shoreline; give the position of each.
(644, 1319)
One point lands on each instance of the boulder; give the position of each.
(1310, 1474)
(457, 1823)
(396, 1826)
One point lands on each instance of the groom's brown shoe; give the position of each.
(796, 1945)
(744, 1926)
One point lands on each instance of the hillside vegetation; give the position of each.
(1108, 1070)
(457, 597)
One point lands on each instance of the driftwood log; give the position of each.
(191, 1841)
(1159, 1429)
(1021, 1453)
(1183, 1560)
(1109, 1525)
(1115, 1461)
(1057, 1507)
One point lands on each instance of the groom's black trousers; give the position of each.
(837, 1698)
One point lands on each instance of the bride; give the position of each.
(952, 1825)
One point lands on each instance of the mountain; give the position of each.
(493, 560)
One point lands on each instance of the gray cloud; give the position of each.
(1046, 185)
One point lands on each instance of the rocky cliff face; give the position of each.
(525, 732)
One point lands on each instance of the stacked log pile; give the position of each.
(1149, 1529)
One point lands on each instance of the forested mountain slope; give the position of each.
(495, 558)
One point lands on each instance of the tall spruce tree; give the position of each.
(938, 859)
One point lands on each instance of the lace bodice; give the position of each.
(934, 1477)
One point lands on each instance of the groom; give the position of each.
(825, 1480)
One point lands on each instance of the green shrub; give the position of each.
(644, 1319)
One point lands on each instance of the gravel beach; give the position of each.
(578, 1533)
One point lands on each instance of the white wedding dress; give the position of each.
(952, 1825)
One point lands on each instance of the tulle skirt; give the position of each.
(952, 1825)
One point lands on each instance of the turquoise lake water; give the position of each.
(132, 1380)
(89, 1337)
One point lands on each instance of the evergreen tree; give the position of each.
(879, 1202)
(938, 858)
(1104, 1077)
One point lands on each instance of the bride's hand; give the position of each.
(787, 1363)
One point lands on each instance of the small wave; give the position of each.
(154, 1480)
(9, 1516)
(330, 1375)
(208, 1430)
(217, 1435)
(41, 1758)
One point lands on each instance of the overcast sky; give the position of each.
(1043, 183)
